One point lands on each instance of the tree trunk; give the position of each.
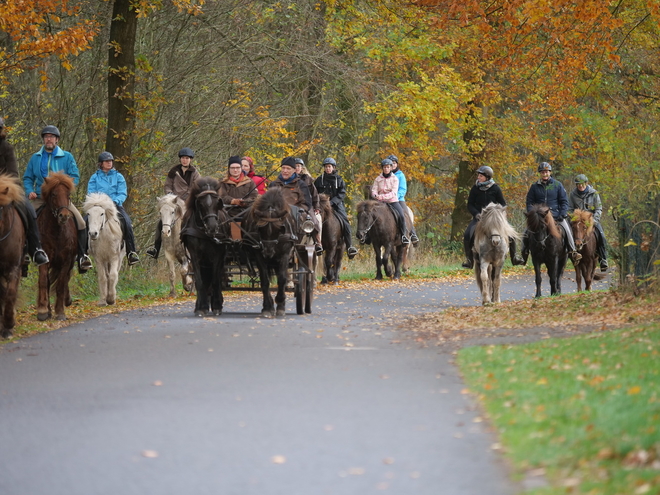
(460, 217)
(121, 87)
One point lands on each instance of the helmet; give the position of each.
(106, 156)
(50, 129)
(485, 170)
(386, 161)
(299, 161)
(186, 152)
(331, 161)
(581, 179)
(393, 158)
(545, 166)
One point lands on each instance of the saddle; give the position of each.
(397, 216)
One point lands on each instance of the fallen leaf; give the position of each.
(149, 454)
(278, 459)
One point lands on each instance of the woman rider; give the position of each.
(385, 189)
(237, 190)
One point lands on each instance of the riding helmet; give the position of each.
(386, 161)
(50, 129)
(581, 179)
(545, 166)
(186, 152)
(393, 158)
(485, 170)
(106, 156)
(299, 161)
(331, 161)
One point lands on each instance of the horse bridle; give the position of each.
(373, 222)
(175, 219)
(211, 193)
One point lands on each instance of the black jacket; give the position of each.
(552, 193)
(478, 199)
(333, 186)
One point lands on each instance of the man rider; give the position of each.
(585, 197)
(331, 184)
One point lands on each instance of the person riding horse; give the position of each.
(385, 189)
(297, 193)
(237, 189)
(484, 192)
(109, 181)
(52, 158)
(301, 170)
(401, 194)
(9, 166)
(585, 197)
(179, 180)
(331, 184)
(550, 192)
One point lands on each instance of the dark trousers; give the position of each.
(402, 218)
(28, 216)
(601, 243)
(412, 227)
(158, 241)
(346, 226)
(127, 229)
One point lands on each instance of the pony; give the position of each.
(59, 239)
(582, 225)
(376, 224)
(171, 210)
(546, 244)
(491, 244)
(332, 239)
(202, 235)
(12, 240)
(105, 244)
(271, 233)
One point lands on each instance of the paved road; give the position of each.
(160, 402)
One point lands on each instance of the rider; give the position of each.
(247, 165)
(301, 170)
(401, 194)
(550, 192)
(52, 158)
(484, 192)
(178, 182)
(585, 197)
(109, 181)
(237, 189)
(331, 184)
(296, 192)
(9, 166)
(385, 189)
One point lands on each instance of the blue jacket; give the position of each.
(111, 183)
(61, 161)
(552, 194)
(403, 185)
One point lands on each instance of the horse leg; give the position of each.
(43, 296)
(484, 280)
(186, 278)
(172, 273)
(578, 276)
(61, 292)
(553, 268)
(8, 311)
(280, 298)
(339, 254)
(495, 280)
(268, 307)
(537, 277)
(379, 261)
(397, 262)
(217, 300)
(102, 279)
(113, 278)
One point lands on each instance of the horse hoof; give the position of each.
(216, 312)
(101, 303)
(173, 294)
(267, 313)
(187, 288)
(110, 302)
(200, 313)
(60, 317)
(43, 316)
(5, 333)
(324, 281)
(280, 312)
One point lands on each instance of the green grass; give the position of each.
(587, 409)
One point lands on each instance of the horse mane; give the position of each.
(169, 198)
(540, 213)
(585, 217)
(200, 185)
(55, 179)
(10, 190)
(493, 220)
(367, 205)
(102, 200)
(271, 200)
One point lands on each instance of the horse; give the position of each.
(171, 210)
(105, 244)
(270, 234)
(203, 233)
(332, 239)
(59, 239)
(12, 240)
(546, 244)
(582, 225)
(491, 244)
(376, 224)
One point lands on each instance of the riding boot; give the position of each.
(601, 248)
(468, 241)
(524, 250)
(413, 237)
(351, 251)
(515, 258)
(570, 243)
(155, 249)
(28, 216)
(84, 263)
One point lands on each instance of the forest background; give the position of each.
(446, 85)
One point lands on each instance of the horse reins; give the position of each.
(2, 209)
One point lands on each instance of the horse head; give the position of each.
(203, 203)
(582, 225)
(171, 210)
(271, 217)
(56, 193)
(366, 220)
(100, 210)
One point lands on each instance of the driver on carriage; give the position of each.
(237, 191)
(484, 192)
(297, 193)
(109, 181)
(550, 192)
(9, 166)
(331, 184)
(385, 189)
(585, 197)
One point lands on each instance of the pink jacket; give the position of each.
(386, 189)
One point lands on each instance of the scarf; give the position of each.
(484, 186)
(237, 180)
(386, 176)
(289, 180)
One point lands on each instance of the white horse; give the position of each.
(171, 211)
(491, 243)
(105, 243)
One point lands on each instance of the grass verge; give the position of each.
(584, 411)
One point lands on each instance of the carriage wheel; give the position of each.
(301, 279)
(310, 276)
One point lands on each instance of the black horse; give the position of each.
(203, 234)
(270, 235)
(332, 238)
(546, 245)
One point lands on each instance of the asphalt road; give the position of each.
(160, 402)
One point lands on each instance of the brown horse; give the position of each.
(546, 244)
(12, 240)
(58, 229)
(377, 225)
(332, 239)
(582, 225)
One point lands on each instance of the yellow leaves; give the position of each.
(542, 381)
(634, 390)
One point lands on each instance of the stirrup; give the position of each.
(133, 258)
(351, 252)
(467, 264)
(405, 240)
(40, 257)
(152, 252)
(84, 264)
